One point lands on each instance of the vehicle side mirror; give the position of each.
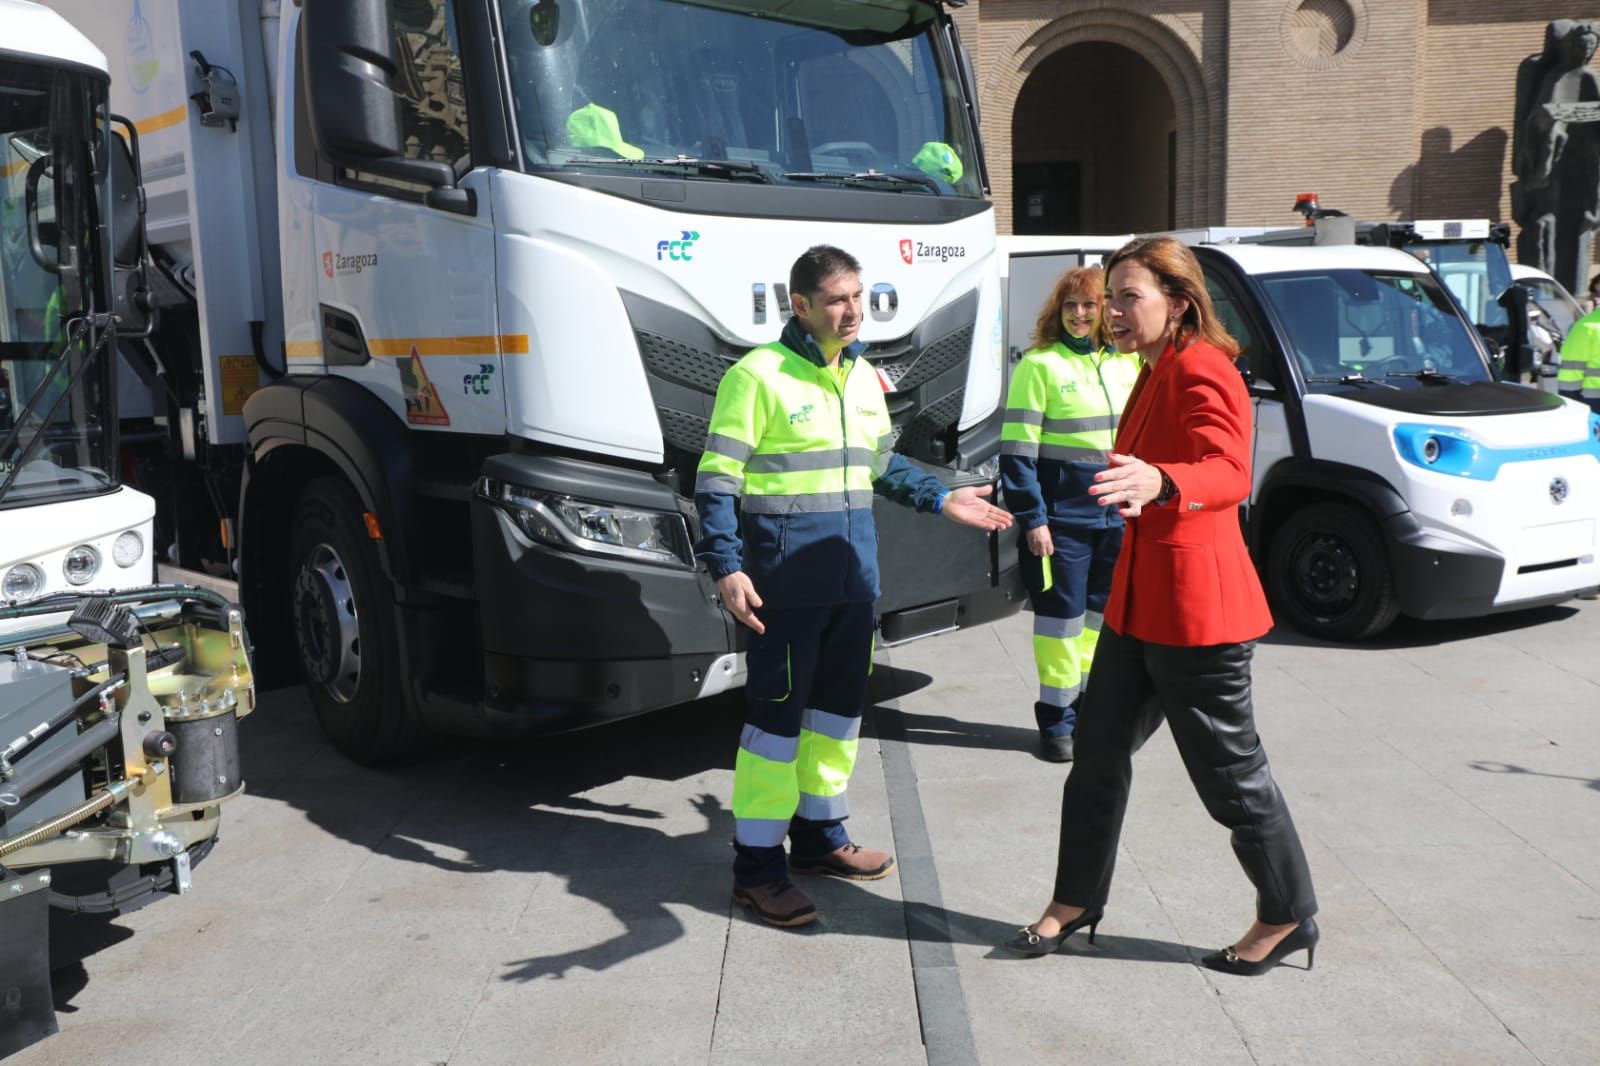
(1518, 352)
(349, 68)
(130, 244)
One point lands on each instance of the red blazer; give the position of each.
(1184, 575)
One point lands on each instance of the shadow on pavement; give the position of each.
(1411, 633)
(1491, 767)
(546, 807)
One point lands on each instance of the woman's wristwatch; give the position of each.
(1168, 489)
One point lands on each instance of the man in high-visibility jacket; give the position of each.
(1061, 416)
(1579, 377)
(800, 440)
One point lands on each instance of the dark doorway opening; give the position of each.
(1093, 144)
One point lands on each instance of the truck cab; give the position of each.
(447, 288)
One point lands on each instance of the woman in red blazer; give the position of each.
(1181, 624)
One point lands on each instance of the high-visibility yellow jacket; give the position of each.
(802, 447)
(1579, 377)
(1061, 417)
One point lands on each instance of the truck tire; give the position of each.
(1328, 573)
(344, 628)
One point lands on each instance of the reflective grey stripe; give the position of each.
(1070, 455)
(1094, 621)
(1058, 628)
(836, 726)
(1080, 425)
(710, 482)
(1051, 696)
(760, 832)
(823, 808)
(768, 745)
(1026, 448)
(1590, 393)
(790, 462)
(806, 502)
(732, 447)
(1018, 416)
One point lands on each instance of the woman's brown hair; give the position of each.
(1178, 272)
(1081, 282)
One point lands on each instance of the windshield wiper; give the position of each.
(1350, 379)
(1426, 374)
(869, 177)
(684, 164)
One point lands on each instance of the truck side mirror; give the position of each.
(129, 242)
(1518, 351)
(349, 66)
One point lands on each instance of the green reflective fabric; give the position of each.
(825, 763)
(762, 788)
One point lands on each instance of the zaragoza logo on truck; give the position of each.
(333, 263)
(911, 251)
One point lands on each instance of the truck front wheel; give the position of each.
(344, 628)
(1328, 573)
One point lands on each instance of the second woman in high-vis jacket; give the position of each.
(1066, 396)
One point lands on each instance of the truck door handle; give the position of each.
(343, 342)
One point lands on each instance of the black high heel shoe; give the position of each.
(1305, 935)
(1028, 942)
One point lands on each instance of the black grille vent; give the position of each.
(916, 369)
(930, 424)
(683, 430)
(684, 363)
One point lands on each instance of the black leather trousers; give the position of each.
(1204, 695)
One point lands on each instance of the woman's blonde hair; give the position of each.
(1178, 273)
(1080, 282)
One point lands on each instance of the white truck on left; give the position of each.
(119, 698)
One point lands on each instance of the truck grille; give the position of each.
(684, 362)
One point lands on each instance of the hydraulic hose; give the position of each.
(67, 819)
(56, 721)
(44, 769)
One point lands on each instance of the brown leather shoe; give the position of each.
(779, 903)
(852, 862)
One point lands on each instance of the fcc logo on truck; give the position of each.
(1559, 489)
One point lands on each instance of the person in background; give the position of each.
(1061, 413)
(1185, 610)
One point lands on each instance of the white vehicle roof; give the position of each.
(34, 31)
(1277, 259)
(1528, 273)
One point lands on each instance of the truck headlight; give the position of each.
(660, 537)
(80, 565)
(22, 582)
(127, 549)
(1446, 450)
(1430, 450)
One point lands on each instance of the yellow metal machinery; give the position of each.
(119, 745)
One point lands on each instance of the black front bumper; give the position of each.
(1441, 579)
(571, 640)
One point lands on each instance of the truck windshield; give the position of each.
(50, 131)
(1346, 325)
(819, 92)
(1477, 272)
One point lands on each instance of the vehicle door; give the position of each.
(406, 292)
(1270, 386)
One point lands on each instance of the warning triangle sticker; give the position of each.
(423, 405)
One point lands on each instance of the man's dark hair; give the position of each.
(819, 263)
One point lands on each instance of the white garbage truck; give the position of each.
(445, 289)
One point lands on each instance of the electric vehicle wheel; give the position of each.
(1328, 574)
(344, 628)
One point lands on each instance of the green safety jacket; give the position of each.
(802, 449)
(1579, 377)
(1061, 417)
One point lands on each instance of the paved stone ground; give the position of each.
(567, 902)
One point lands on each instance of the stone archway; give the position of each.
(1172, 48)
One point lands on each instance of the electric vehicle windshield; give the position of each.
(804, 92)
(55, 413)
(1361, 327)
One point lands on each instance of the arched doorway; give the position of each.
(1094, 144)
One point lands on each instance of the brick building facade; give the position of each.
(1116, 115)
